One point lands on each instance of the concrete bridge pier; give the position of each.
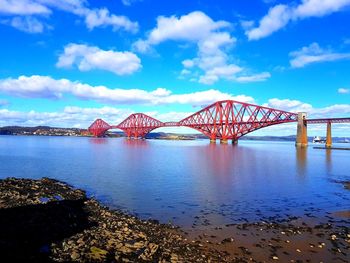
(301, 140)
(223, 141)
(329, 135)
(213, 141)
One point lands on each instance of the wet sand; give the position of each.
(49, 221)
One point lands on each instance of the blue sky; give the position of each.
(65, 63)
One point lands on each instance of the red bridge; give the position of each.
(224, 120)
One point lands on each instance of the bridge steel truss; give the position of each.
(139, 125)
(224, 120)
(230, 120)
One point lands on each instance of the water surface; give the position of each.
(176, 181)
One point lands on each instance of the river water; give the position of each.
(177, 181)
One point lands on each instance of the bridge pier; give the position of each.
(301, 140)
(234, 142)
(329, 135)
(223, 141)
(212, 140)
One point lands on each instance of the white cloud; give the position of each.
(188, 63)
(340, 110)
(102, 18)
(280, 15)
(44, 8)
(213, 41)
(208, 79)
(195, 26)
(26, 24)
(254, 78)
(202, 98)
(317, 8)
(337, 110)
(314, 54)
(225, 71)
(277, 17)
(46, 87)
(185, 72)
(129, 2)
(343, 91)
(71, 116)
(35, 87)
(142, 46)
(288, 105)
(171, 116)
(89, 57)
(23, 7)
(247, 24)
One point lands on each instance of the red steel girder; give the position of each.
(99, 127)
(224, 120)
(139, 124)
(232, 119)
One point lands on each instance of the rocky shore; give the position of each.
(49, 221)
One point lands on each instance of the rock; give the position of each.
(74, 255)
(125, 250)
(174, 258)
(97, 253)
(147, 255)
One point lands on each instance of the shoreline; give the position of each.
(50, 221)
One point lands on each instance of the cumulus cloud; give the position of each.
(71, 116)
(288, 105)
(341, 110)
(337, 110)
(89, 57)
(212, 39)
(276, 18)
(46, 87)
(343, 91)
(254, 78)
(129, 2)
(37, 10)
(102, 18)
(280, 15)
(314, 54)
(188, 63)
(27, 24)
(23, 7)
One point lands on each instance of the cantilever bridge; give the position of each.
(224, 120)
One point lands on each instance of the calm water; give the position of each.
(178, 180)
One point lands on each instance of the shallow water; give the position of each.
(188, 183)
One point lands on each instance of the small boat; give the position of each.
(318, 139)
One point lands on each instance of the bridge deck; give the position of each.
(332, 120)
